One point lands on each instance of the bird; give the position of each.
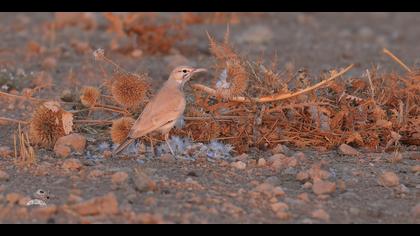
(40, 198)
(163, 110)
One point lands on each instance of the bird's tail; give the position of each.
(122, 146)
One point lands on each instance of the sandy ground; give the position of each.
(204, 191)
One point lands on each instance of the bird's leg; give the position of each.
(151, 146)
(170, 148)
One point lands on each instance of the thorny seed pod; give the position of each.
(49, 122)
(120, 129)
(129, 90)
(89, 96)
(233, 81)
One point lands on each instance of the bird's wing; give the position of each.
(163, 109)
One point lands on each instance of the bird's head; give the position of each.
(182, 74)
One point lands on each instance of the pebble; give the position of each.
(415, 169)
(279, 206)
(389, 179)
(66, 144)
(95, 174)
(241, 157)
(72, 165)
(321, 215)
(4, 176)
(416, 211)
(302, 176)
(261, 162)
(119, 178)
(348, 150)
(142, 181)
(5, 152)
(321, 187)
(303, 197)
(239, 165)
(307, 185)
(106, 205)
(49, 63)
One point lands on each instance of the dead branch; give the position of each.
(393, 57)
(275, 97)
(14, 120)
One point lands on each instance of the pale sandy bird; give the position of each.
(162, 112)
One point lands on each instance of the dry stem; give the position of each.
(275, 97)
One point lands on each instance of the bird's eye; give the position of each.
(184, 71)
(41, 191)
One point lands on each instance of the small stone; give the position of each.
(49, 63)
(76, 142)
(321, 215)
(307, 185)
(261, 162)
(388, 179)
(415, 169)
(278, 191)
(276, 157)
(280, 149)
(354, 211)
(348, 150)
(13, 198)
(72, 165)
(241, 157)
(106, 205)
(62, 151)
(4, 176)
(142, 182)
(341, 185)
(107, 154)
(67, 96)
(403, 189)
(45, 212)
(136, 53)
(300, 156)
(279, 206)
(119, 178)
(5, 152)
(239, 165)
(302, 176)
(95, 174)
(321, 187)
(277, 165)
(264, 188)
(303, 197)
(283, 215)
(416, 211)
(166, 157)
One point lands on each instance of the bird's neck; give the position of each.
(173, 83)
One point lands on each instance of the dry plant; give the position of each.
(24, 153)
(120, 129)
(48, 123)
(152, 35)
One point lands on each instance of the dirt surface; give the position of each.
(305, 186)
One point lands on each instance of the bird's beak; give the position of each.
(195, 71)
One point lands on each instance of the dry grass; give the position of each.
(25, 154)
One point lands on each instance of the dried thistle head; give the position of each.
(120, 129)
(233, 79)
(49, 122)
(129, 90)
(89, 96)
